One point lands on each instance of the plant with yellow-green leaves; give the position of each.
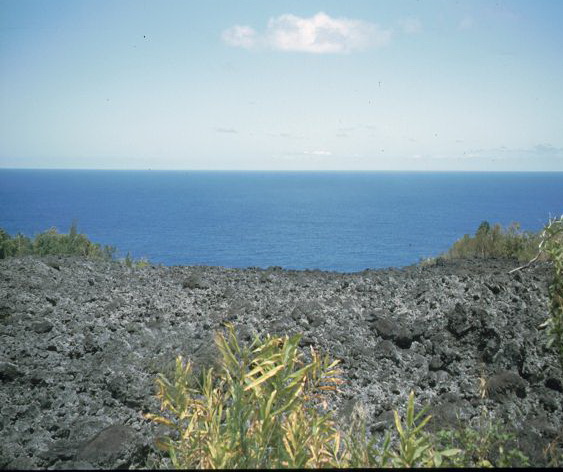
(264, 408)
(131, 263)
(552, 245)
(415, 448)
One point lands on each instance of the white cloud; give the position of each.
(411, 25)
(319, 34)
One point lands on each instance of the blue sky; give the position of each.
(300, 85)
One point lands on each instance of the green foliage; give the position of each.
(18, 245)
(496, 242)
(140, 263)
(552, 246)
(264, 408)
(51, 242)
(486, 445)
(131, 263)
(415, 447)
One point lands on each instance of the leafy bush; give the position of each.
(496, 242)
(51, 242)
(415, 448)
(552, 246)
(264, 407)
(18, 245)
(486, 445)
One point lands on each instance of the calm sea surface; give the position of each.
(343, 221)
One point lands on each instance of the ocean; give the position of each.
(338, 221)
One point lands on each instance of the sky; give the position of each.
(282, 85)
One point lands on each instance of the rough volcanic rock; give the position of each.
(504, 383)
(82, 342)
(115, 447)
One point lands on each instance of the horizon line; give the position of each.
(145, 169)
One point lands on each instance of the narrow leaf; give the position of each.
(265, 377)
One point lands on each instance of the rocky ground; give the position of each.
(82, 341)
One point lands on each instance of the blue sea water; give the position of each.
(342, 221)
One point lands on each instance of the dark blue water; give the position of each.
(344, 221)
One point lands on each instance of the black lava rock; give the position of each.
(81, 343)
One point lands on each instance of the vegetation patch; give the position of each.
(51, 242)
(552, 246)
(496, 242)
(265, 407)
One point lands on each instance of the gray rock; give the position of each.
(42, 327)
(554, 383)
(60, 450)
(74, 465)
(115, 447)
(435, 363)
(460, 322)
(386, 328)
(384, 421)
(194, 281)
(22, 463)
(392, 330)
(9, 371)
(397, 330)
(387, 349)
(504, 383)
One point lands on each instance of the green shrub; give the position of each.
(488, 444)
(552, 246)
(496, 242)
(415, 447)
(264, 407)
(128, 261)
(19, 245)
(51, 242)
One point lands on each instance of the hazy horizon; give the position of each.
(358, 171)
